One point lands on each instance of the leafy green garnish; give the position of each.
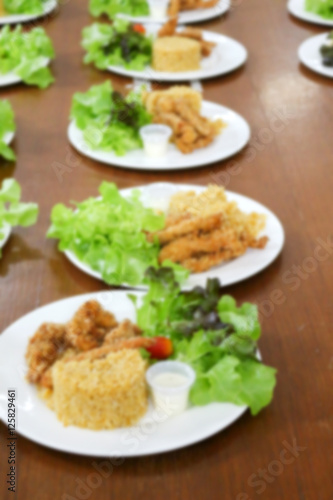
(7, 125)
(109, 122)
(323, 8)
(116, 45)
(213, 335)
(108, 234)
(13, 212)
(26, 54)
(23, 6)
(114, 7)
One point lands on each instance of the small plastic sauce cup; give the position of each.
(158, 9)
(155, 139)
(170, 383)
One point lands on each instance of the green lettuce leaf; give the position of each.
(7, 126)
(244, 319)
(116, 45)
(12, 211)
(108, 234)
(23, 6)
(113, 7)
(109, 122)
(323, 8)
(26, 54)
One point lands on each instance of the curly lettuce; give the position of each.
(118, 44)
(12, 211)
(323, 8)
(26, 54)
(109, 121)
(113, 7)
(23, 6)
(7, 126)
(213, 335)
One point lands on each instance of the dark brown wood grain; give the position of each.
(288, 167)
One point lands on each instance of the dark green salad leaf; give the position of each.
(108, 234)
(120, 44)
(327, 50)
(23, 6)
(323, 8)
(7, 126)
(109, 121)
(114, 7)
(12, 211)
(213, 335)
(26, 54)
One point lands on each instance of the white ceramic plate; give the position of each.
(189, 16)
(252, 262)
(49, 6)
(12, 78)
(37, 422)
(297, 9)
(309, 55)
(227, 56)
(230, 141)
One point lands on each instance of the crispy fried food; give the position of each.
(123, 331)
(169, 28)
(190, 32)
(174, 8)
(181, 129)
(89, 326)
(260, 243)
(187, 226)
(119, 345)
(44, 348)
(207, 261)
(192, 245)
(199, 123)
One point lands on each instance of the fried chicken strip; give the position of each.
(196, 121)
(191, 245)
(205, 262)
(169, 28)
(174, 8)
(89, 326)
(197, 224)
(123, 331)
(101, 352)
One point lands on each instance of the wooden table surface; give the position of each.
(286, 451)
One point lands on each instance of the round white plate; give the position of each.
(297, 9)
(227, 56)
(230, 141)
(37, 422)
(157, 195)
(188, 16)
(12, 78)
(48, 7)
(5, 230)
(309, 54)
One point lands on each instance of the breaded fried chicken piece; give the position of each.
(187, 226)
(192, 245)
(123, 331)
(169, 28)
(174, 8)
(205, 262)
(199, 123)
(89, 326)
(44, 348)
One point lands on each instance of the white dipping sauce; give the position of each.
(170, 383)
